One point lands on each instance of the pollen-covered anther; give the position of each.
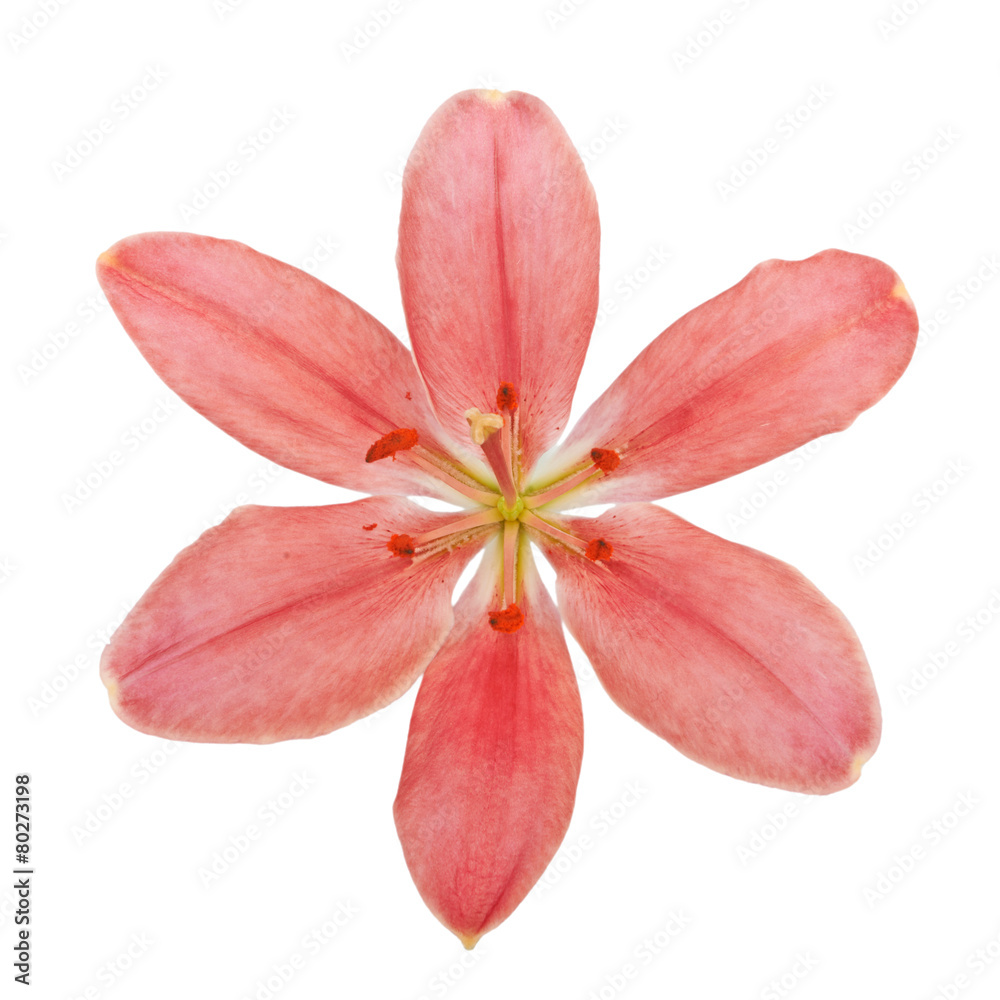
(398, 440)
(507, 397)
(606, 459)
(598, 548)
(401, 545)
(510, 619)
(482, 425)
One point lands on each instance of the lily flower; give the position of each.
(289, 622)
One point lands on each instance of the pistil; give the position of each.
(483, 429)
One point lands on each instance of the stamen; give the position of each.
(510, 619)
(463, 524)
(510, 533)
(454, 533)
(483, 427)
(605, 460)
(595, 550)
(506, 397)
(401, 545)
(598, 548)
(450, 476)
(397, 440)
(506, 440)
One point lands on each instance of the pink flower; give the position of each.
(285, 623)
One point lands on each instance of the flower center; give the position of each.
(510, 513)
(497, 434)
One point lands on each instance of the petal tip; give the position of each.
(469, 941)
(859, 762)
(899, 292)
(107, 260)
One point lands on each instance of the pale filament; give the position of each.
(510, 533)
(449, 478)
(563, 486)
(534, 521)
(477, 520)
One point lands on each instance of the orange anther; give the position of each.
(605, 459)
(508, 620)
(598, 548)
(401, 545)
(389, 444)
(506, 397)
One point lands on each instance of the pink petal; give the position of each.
(795, 350)
(732, 656)
(277, 359)
(283, 623)
(498, 257)
(492, 758)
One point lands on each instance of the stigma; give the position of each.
(482, 425)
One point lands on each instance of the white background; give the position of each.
(804, 912)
